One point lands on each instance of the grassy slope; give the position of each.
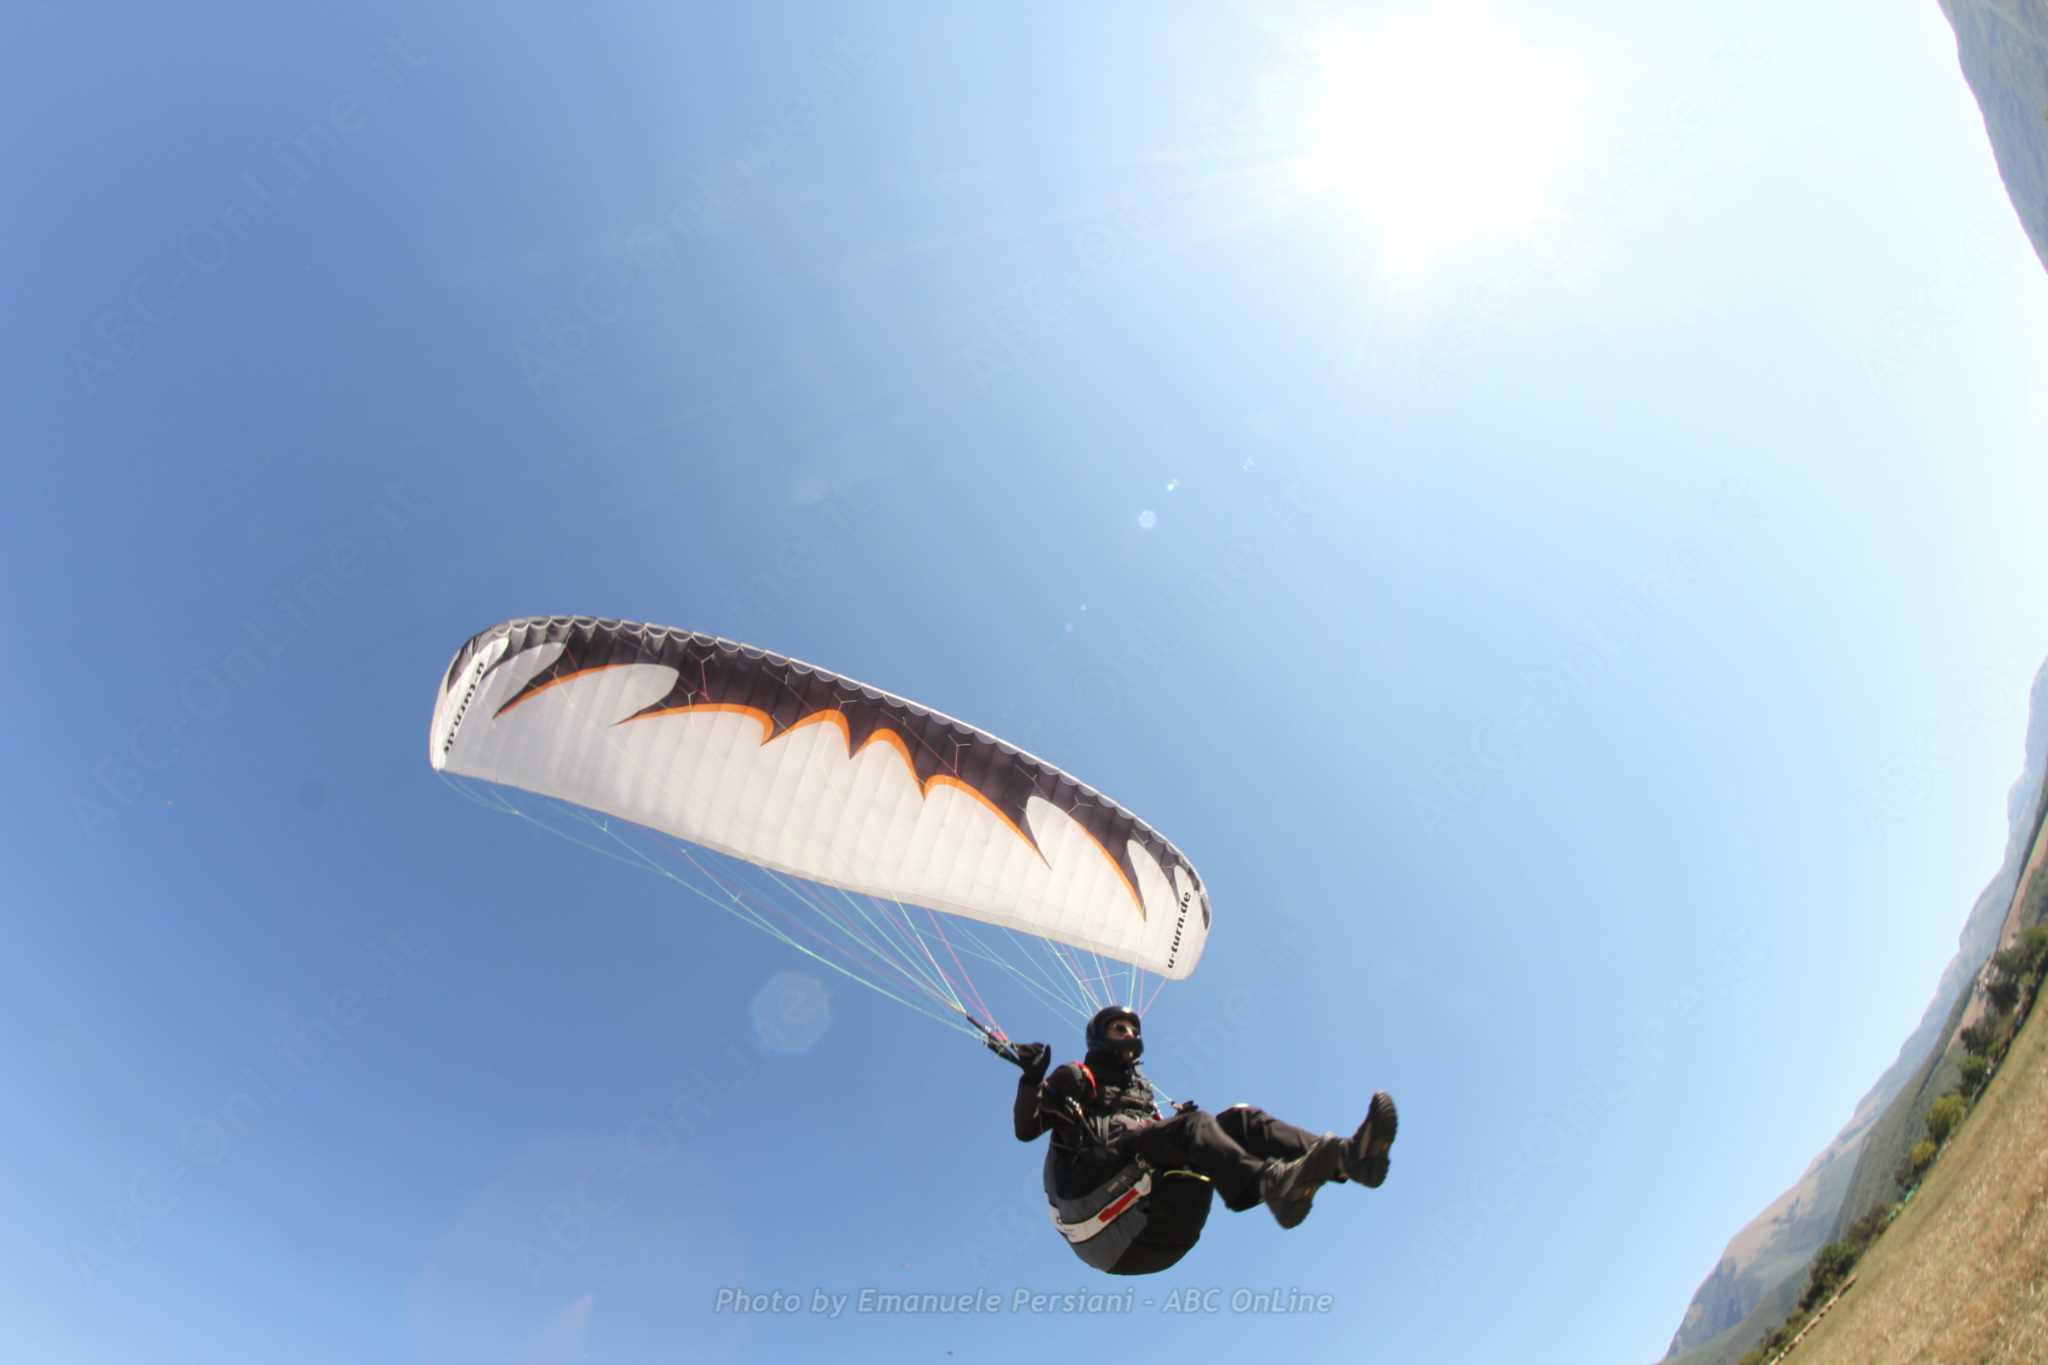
(1962, 1276)
(1902, 1125)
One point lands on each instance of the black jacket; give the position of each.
(1114, 1099)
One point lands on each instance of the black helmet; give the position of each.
(1126, 1050)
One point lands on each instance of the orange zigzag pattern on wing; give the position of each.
(894, 741)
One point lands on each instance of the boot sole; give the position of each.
(1382, 1121)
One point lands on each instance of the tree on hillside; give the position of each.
(1975, 1069)
(1978, 1037)
(2000, 988)
(2016, 967)
(1772, 1345)
(2034, 944)
(1830, 1265)
(1943, 1116)
(1864, 1230)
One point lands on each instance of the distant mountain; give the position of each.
(1762, 1270)
(2003, 47)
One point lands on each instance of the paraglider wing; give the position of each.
(812, 774)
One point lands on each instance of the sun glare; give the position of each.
(1437, 131)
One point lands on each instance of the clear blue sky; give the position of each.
(1546, 513)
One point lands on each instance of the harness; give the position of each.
(1107, 1227)
(1140, 1218)
(1119, 1195)
(1105, 1224)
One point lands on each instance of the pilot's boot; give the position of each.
(1289, 1187)
(1365, 1155)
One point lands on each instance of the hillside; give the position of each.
(1762, 1269)
(1962, 1275)
(1901, 1127)
(2002, 46)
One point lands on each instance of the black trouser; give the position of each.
(1230, 1148)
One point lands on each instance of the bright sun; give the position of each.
(1439, 130)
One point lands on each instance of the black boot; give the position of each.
(1365, 1156)
(1289, 1187)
